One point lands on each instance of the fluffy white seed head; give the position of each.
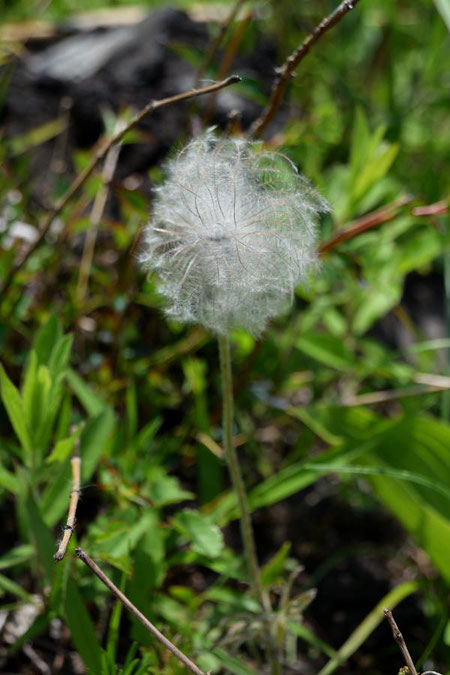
(233, 233)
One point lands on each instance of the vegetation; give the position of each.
(342, 407)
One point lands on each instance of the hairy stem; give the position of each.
(248, 539)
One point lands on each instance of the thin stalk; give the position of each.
(235, 473)
(248, 539)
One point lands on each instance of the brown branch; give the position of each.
(134, 610)
(71, 516)
(398, 637)
(101, 152)
(286, 71)
(367, 222)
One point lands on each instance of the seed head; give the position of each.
(233, 233)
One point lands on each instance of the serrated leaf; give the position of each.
(206, 538)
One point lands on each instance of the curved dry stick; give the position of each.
(101, 152)
(286, 71)
(134, 610)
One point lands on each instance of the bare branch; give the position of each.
(398, 637)
(286, 71)
(367, 222)
(134, 610)
(99, 155)
(71, 517)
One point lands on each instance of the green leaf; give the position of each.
(63, 448)
(283, 484)
(93, 441)
(373, 170)
(14, 407)
(273, 570)
(408, 465)
(164, 489)
(8, 481)
(55, 500)
(233, 664)
(41, 538)
(46, 339)
(443, 7)
(206, 538)
(304, 633)
(91, 402)
(60, 356)
(16, 556)
(9, 586)
(82, 629)
(326, 349)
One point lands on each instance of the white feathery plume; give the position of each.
(233, 233)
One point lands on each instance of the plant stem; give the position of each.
(235, 473)
(248, 539)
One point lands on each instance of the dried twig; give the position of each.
(71, 517)
(134, 610)
(398, 637)
(286, 71)
(367, 222)
(96, 215)
(99, 155)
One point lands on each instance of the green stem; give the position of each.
(235, 473)
(244, 511)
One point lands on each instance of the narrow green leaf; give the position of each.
(46, 339)
(304, 633)
(326, 349)
(16, 556)
(233, 664)
(443, 7)
(63, 448)
(14, 407)
(91, 402)
(82, 629)
(41, 538)
(402, 474)
(93, 440)
(273, 570)
(8, 481)
(9, 586)
(60, 355)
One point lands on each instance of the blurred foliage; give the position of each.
(369, 125)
